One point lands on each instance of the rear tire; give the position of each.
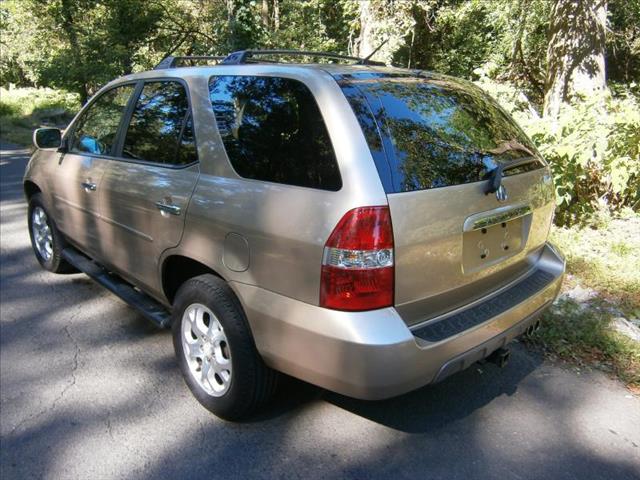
(216, 352)
(46, 240)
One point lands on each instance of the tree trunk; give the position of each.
(385, 25)
(575, 56)
(364, 44)
(264, 13)
(521, 15)
(276, 15)
(230, 12)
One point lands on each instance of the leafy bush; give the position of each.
(593, 149)
(594, 152)
(24, 101)
(7, 109)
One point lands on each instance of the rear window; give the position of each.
(272, 130)
(431, 131)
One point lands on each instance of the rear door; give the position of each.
(146, 190)
(435, 141)
(91, 143)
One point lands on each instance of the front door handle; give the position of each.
(89, 186)
(168, 208)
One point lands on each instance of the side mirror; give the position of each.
(47, 138)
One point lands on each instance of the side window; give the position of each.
(161, 128)
(272, 130)
(97, 128)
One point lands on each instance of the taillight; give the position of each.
(357, 266)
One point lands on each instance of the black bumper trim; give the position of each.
(480, 313)
(482, 351)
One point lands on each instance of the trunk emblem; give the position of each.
(501, 194)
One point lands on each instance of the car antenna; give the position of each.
(366, 59)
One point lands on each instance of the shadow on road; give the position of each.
(420, 411)
(458, 397)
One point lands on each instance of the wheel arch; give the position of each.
(30, 189)
(177, 269)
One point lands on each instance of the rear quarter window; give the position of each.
(272, 130)
(431, 131)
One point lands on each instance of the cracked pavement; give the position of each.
(89, 389)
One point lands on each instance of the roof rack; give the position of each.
(174, 62)
(246, 56)
(243, 56)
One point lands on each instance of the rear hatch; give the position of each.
(437, 143)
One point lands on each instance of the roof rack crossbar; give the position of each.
(173, 62)
(242, 56)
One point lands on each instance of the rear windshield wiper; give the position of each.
(495, 179)
(495, 176)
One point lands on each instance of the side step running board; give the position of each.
(146, 305)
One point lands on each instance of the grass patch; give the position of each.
(24, 109)
(606, 262)
(581, 334)
(606, 259)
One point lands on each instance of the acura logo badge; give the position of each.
(501, 193)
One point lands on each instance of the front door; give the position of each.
(78, 174)
(145, 193)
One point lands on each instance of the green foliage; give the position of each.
(8, 109)
(465, 35)
(322, 25)
(456, 37)
(79, 45)
(593, 149)
(24, 109)
(25, 101)
(623, 41)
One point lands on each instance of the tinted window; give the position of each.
(272, 130)
(161, 129)
(98, 126)
(434, 131)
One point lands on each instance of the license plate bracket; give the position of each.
(489, 239)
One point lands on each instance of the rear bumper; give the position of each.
(375, 355)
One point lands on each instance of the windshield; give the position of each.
(430, 131)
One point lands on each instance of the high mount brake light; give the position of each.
(358, 264)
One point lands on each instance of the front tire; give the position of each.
(216, 352)
(46, 239)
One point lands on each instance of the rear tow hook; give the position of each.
(500, 357)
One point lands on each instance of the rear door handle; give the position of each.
(89, 187)
(168, 208)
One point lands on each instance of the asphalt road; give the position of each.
(89, 389)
